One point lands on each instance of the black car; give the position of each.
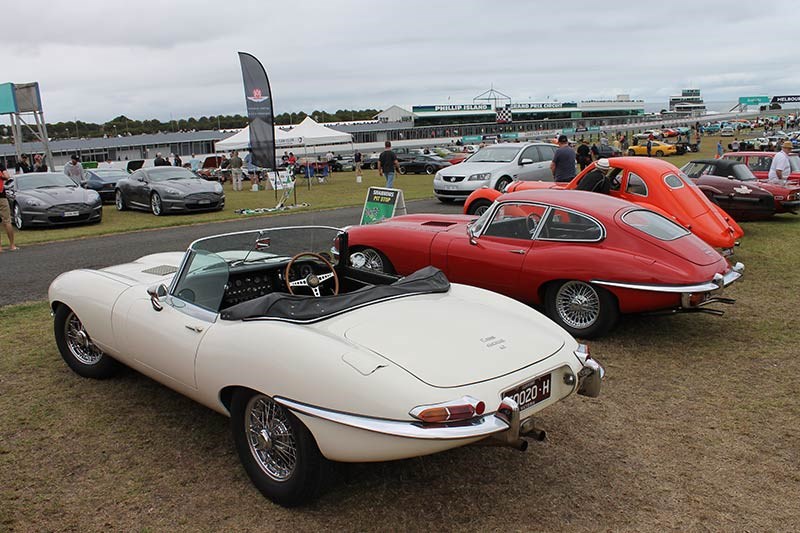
(104, 181)
(606, 151)
(163, 190)
(51, 199)
(429, 164)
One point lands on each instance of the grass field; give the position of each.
(340, 192)
(695, 431)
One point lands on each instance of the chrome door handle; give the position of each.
(196, 329)
(517, 251)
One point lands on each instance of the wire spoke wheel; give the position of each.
(271, 438)
(80, 345)
(577, 304)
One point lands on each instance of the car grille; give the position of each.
(453, 179)
(210, 200)
(442, 192)
(58, 219)
(60, 208)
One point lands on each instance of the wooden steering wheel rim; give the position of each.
(317, 256)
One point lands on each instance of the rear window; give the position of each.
(673, 181)
(654, 225)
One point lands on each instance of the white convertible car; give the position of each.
(362, 367)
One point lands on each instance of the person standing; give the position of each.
(563, 164)
(735, 144)
(159, 161)
(74, 170)
(584, 154)
(5, 210)
(194, 163)
(236, 170)
(23, 166)
(650, 145)
(357, 160)
(177, 161)
(780, 167)
(719, 149)
(387, 164)
(38, 163)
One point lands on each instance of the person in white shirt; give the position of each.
(780, 167)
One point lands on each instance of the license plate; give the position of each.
(204, 202)
(530, 393)
(71, 213)
(450, 187)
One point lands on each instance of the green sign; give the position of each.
(509, 135)
(469, 139)
(8, 99)
(753, 100)
(381, 204)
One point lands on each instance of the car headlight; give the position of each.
(93, 196)
(437, 177)
(33, 202)
(169, 191)
(484, 176)
(792, 197)
(217, 187)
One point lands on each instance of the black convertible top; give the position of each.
(298, 308)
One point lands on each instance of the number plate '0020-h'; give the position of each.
(530, 393)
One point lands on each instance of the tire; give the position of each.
(659, 153)
(156, 207)
(16, 216)
(479, 206)
(501, 183)
(631, 152)
(445, 200)
(429, 170)
(583, 309)
(374, 166)
(402, 170)
(376, 260)
(77, 349)
(265, 435)
(119, 201)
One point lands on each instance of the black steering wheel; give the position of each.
(531, 222)
(312, 281)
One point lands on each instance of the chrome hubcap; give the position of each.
(119, 201)
(79, 343)
(577, 304)
(481, 209)
(270, 437)
(156, 204)
(17, 216)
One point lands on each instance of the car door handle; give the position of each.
(517, 251)
(196, 329)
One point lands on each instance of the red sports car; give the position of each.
(759, 163)
(650, 183)
(585, 257)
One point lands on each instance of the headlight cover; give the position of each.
(217, 187)
(169, 191)
(484, 176)
(33, 202)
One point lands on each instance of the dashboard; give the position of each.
(251, 281)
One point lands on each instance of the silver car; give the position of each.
(495, 166)
(43, 199)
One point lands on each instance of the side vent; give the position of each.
(161, 270)
(438, 223)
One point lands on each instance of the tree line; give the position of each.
(125, 126)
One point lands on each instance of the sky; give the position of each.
(98, 59)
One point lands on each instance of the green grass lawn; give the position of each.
(341, 191)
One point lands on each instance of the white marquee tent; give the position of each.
(307, 133)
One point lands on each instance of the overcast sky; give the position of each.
(97, 59)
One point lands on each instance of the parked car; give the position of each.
(657, 134)
(657, 148)
(585, 257)
(759, 163)
(327, 373)
(651, 183)
(727, 131)
(495, 166)
(42, 199)
(744, 197)
(428, 164)
(711, 128)
(607, 151)
(164, 190)
(104, 181)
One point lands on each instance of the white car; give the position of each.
(495, 166)
(727, 131)
(360, 369)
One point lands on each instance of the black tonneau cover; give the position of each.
(297, 308)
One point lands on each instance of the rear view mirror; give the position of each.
(157, 292)
(525, 161)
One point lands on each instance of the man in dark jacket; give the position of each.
(159, 161)
(596, 181)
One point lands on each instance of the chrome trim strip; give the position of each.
(484, 426)
(730, 276)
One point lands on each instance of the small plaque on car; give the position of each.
(204, 201)
(530, 393)
(71, 213)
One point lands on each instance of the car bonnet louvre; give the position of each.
(161, 270)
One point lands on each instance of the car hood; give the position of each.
(60, 195)
(469, 167)
(458, 338)
(188, 185)
(148, 269)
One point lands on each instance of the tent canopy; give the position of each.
(307, 133)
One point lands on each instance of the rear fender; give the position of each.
(481, 194)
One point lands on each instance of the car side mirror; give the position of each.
(473, 240)
(525, 161)
(9, 182)
(157, 292)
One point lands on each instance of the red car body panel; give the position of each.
(761, 171)
(687, 205)
(625, 255)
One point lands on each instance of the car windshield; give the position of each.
(794, 163)
(170, 173)
(42, 180)
(654, 224)
(742, 173)
(270, 245)
(110, 175)
(495, 154)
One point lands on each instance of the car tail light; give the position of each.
(696, 299)
(452, 411)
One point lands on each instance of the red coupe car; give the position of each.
(759, 163)
(585, 257)
(650, 183)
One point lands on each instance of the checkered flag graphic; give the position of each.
(503, 115)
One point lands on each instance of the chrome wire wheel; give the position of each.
(80, 345)
(577, 304)
(270, 437)
(374, 261)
